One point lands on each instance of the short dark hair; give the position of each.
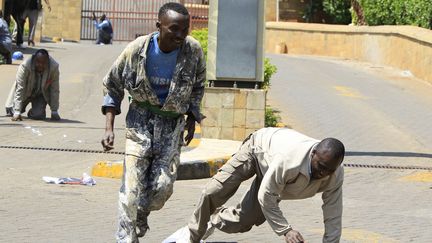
(332, 145)
(43, 52)
(177, 7)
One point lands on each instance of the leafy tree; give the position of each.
(201, 36)
(338, 10)
(398, 12)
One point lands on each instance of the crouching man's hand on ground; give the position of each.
(294, 236)
(55, 116)
(16, 117)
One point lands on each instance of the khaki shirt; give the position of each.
(284, 158)
(187, 86)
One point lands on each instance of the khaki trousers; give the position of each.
(242, 166)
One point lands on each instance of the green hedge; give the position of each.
(379, 12)
(398, 12)
(338, 11)
(269, 70)
(272, 117)
(201, 36)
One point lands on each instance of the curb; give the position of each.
(187, 170)
(200, 169)
(108, 169)
(281, 124)
(197, 137)
(56, 39)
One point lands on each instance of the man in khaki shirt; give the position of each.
(37, 82)
(288, 165)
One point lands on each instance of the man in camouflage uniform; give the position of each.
(164, 74)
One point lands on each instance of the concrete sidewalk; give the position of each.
(197, 163)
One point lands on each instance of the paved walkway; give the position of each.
(380, 205)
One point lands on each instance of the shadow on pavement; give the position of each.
(221, 241)
(388, 154)
(26, 50)
(32, 49)
(12, 64)
(63, 121)
(18, 123)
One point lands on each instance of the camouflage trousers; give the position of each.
(149, 169)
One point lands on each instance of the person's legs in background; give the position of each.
(19, 23)
(104, 38)
(8, 11)
(32, 15)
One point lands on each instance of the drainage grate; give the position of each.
(394, 167)
(62, 150)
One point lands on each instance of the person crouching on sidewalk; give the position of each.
(37, 82)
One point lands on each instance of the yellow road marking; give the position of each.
(348, 92)
(198, 129)
(108, 169)
(216, 164)
(420, 176)
(114, 169)
(194, 143)
(56, 39)
(197, 137)
(280, 124)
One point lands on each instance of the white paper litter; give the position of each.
(407, 73)
(85, 180)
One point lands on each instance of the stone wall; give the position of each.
(403, 47)
(271, 10)
(232, 113)
(64, 21)
(292, 10)
(288, 10)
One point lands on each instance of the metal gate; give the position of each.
(132, 18)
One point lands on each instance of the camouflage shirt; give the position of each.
(186, 89)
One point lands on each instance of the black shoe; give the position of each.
(9, 111)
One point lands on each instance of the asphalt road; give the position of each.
(381, 116)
